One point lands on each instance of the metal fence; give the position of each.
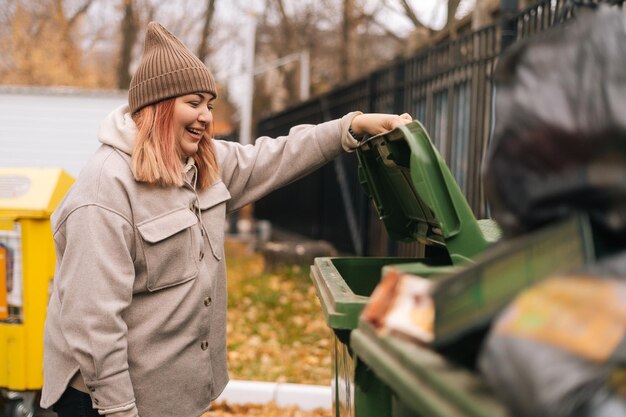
(447, 87)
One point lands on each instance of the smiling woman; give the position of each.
(136, 325)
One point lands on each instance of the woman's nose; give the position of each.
(205, 115)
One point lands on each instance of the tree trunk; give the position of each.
(347, 51)
(292, 45)
(129, 31)
(451, 21)
(203, 47)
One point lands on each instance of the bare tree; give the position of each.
(203, 47)
(7, 15)
(290, 34)
(129, 29)
(39, 43)
(410, 13)
(481, 15)
(348, 35)
(286, 24)
(66, 25)
(341, 44)
(78, 13)
(451, 20)
(421, 32)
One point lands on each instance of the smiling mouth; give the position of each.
(195, 132)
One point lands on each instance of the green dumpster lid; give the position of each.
(415, 194)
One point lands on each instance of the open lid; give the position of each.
(415, 194)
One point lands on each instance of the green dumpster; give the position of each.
(417, 199)
(439, 380)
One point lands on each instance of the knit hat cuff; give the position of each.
(172, 84)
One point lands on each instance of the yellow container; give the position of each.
(27, 198)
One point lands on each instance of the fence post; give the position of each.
(508, 22)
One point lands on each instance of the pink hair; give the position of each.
(157, 157)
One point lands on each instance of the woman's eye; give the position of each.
(194, 103)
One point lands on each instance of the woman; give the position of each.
(137, 321)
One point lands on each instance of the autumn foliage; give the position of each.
(40, 47)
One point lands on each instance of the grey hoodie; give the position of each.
(139, 300)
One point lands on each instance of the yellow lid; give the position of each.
(31, 192)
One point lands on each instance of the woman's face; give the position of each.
(192, 117)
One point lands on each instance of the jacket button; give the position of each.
(204, 345)
(95, 400)
(201, 255)
(207, 301)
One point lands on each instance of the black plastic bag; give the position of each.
(559, 142)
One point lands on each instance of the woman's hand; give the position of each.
(375, 123)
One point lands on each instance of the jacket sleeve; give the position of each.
(252, 171)
(95, 284)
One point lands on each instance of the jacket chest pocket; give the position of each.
(167, 242)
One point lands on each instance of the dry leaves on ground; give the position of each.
(276, 328)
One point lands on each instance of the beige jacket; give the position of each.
(139, 300)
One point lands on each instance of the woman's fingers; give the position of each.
(375, 123)
(403, 119)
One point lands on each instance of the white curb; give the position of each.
(305, 397)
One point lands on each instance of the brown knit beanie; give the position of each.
(167, 69)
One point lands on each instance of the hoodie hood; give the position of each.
(119, 130)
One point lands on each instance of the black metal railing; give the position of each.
(447, 87)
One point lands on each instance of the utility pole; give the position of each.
(305, 75)
(249, 72)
